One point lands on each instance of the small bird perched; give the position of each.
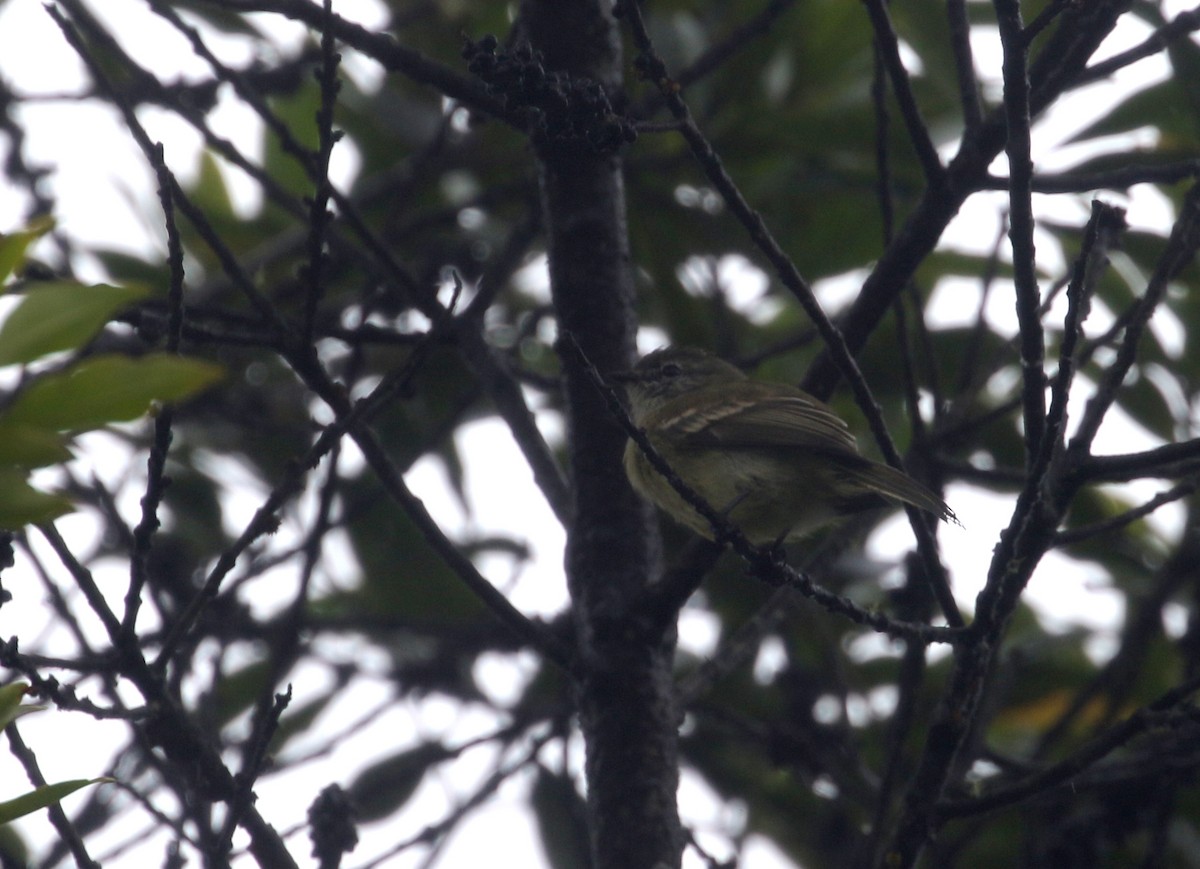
(772, 458)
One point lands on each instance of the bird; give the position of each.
(777, 462)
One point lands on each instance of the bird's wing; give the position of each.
(769, 419)
(773, 420)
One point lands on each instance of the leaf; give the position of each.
(238, 691)
(560, 813)
(1159, 106)
(14, 245)
(419, 587)
(1043, 712)
(10, 703)
(384, 787)
(299, 720)
(110, 388)
(24, 446)
(125, 268)
(298, 112)
(60, 315)
(40, 798)
(210, 191)
(21, 504)
(12, 847)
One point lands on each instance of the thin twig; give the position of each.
(1161, 711)
(1020, 205)
(888, 46)
(58, 817)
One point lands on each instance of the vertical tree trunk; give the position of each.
(626, 704)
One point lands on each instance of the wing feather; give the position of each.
(771, 417)
(760, 421)
(897, 486)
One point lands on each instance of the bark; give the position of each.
(625, 692)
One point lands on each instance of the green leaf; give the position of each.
(12, 847)
(40, 798)
(111, 388)
(125, 268)
(60, 315)
(299, 720)
(560, 813)
(298, 112)
(21, 504)
(1161, 106)
(24, 446)
(13, 246)
(210, 191)
(384, 787)
(10, 703)
(239, 690)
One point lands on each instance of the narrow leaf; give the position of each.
(24, 446)
(40, 798)
(386, 785)
(10, 701)
(106, 389)
(14, 245)
(210, 191)
(59, 315)
(21, 504)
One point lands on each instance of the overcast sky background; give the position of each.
(105, 194)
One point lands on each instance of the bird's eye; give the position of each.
(671, 369)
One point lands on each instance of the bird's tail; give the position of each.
(898, 486)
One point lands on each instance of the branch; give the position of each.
(382, 48)
(156, 479)
(964, 64)
(1020, 203)
(737, 39)
(1179, 27)
(1181, 248)
(918, 132)
(66, 830)
(1165, 462)
(1116, 523)
(1080, 31)
(195, 215)
(1162, 711)
(319, 217)
(1031, 529)
(264, 520)
(1120, 178)
(1102, 234)
(353, 418)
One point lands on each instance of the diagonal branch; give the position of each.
(1180, 249)
(653, 68)
(1080, 31)
(918, 132)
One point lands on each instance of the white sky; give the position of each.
(105, 195)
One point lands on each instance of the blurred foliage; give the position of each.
(38, 421)
(11, 708)
(446, 191)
